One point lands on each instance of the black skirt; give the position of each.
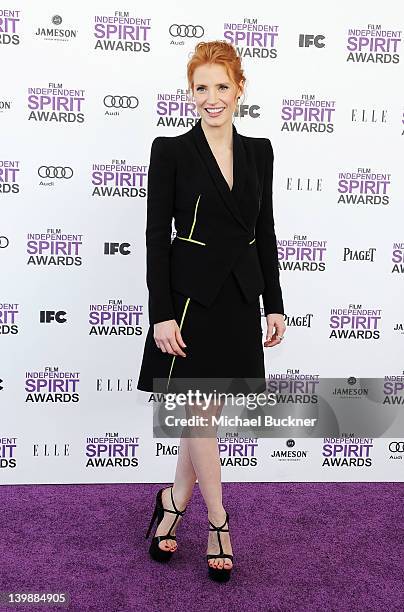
(224, 347)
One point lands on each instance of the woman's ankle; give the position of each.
(217, 516)
(181, 497)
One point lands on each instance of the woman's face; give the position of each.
(213, 89)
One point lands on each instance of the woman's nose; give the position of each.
(212, 98)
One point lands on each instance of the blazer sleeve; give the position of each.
(266, 240)
(160, 204)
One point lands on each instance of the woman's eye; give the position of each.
(200, 88)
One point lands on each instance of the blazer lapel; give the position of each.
(231, 197)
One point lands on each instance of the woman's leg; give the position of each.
(184, 482)
(198, 458)
(204, 453)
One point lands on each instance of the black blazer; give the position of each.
(217, 229)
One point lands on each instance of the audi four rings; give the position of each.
(121, 101)
(186, 31)
(396, 447)
(55, 172)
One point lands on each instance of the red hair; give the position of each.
(216, 52)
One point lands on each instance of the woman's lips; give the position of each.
(215, 114)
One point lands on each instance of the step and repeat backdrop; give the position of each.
(84, 89)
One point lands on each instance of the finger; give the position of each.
(179, 337)
(167, 346)
(271, 339)
(175, 344)
(176, 348)
(275, 330)
(161, 346)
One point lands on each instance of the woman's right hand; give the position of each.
(167, 336)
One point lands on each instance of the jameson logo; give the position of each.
(253, 39)
(55, 33)
(308, 114)
(364, 186)
(373, 44)
(175, 109)
(121, 32)
(355, 322)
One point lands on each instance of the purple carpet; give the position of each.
(298, 547)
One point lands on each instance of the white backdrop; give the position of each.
(65, 88)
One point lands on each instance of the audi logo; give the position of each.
(55, 172)
(396, 447)
(186, 31)
(121, 102)
(4, 242)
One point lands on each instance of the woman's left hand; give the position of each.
(276, 321)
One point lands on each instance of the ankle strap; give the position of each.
(180, 512)
(219, 528)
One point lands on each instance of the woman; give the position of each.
(204, 286)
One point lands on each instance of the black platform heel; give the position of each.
(220, 575)
(155, 551)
